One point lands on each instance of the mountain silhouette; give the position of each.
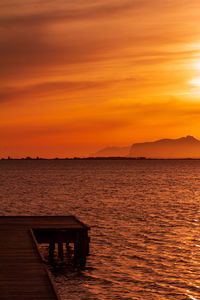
(184, 147)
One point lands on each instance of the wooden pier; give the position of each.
(23, 273)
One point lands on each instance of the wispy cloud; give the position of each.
(54, 89)
(67, 13)
(42, 39)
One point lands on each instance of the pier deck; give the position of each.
(23, 275)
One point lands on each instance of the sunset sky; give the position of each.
(80, 75)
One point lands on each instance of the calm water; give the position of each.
(145, 218)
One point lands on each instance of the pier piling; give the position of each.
(60, 250)
(51, 251)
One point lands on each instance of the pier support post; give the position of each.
(51, 250)
(60, 250)
(67, 246)
(81, 249)
(75, 261)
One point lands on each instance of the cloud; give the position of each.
(40, 39)
(41, 14)
(93, 11)
(57, 88)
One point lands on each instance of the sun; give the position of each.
(197, 65)
(194, 90)
(195, 82)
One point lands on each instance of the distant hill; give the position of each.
(184, 147)
(112, 152)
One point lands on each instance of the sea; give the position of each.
(144, 217)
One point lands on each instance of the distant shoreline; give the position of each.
(96, 158)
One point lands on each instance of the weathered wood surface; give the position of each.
(22, 273)
(42, 222)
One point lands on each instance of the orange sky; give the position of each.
(80, 75)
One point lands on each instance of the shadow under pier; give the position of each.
(75, 241)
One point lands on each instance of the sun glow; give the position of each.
(195, 82)
(197, 65)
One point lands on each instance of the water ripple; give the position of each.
(145, 219)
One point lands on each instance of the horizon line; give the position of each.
(99, 158)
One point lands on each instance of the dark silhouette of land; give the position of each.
(182, 148)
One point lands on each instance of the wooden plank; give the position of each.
(22, 276)
(42, 221)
